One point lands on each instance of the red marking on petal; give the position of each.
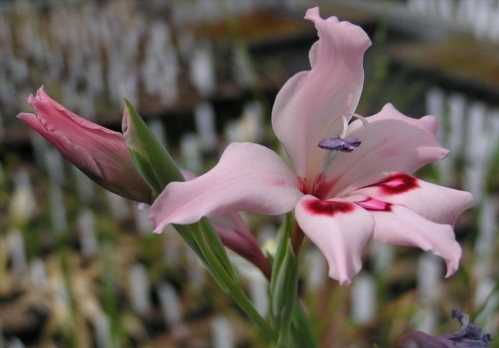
(329, 208)
(319, 187)
(302, 185)
(373, 204)
(397, 183)
(322, 187)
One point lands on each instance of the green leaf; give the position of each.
(215, 245)
(284, 284)
(219, 265)
(144, 168)
(285, 290)
(284, 234)
(187, 234)
(152, 160)
(158, 168)
(301, 329)
(480, 312)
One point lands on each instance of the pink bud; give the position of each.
(235, 235)
(100, 153)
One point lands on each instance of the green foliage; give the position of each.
(288, 319)
(149, 156)
(301, 329)
(158, 168)
(483, 313)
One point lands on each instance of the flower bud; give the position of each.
(100, 153)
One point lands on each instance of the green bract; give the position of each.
(149, 156)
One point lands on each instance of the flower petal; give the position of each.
(249, 177)
(340, 229)
(235, 234)
(430, 123)
(312, 104)
(391, 142)
(434, 202)
(399, 225)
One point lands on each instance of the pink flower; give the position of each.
(99, 152)
(344, 198)
(103, 155)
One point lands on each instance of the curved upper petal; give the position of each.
(390, 142)
(312, 104)
(340, 229)
(248, 177)
(399, 225)
(437, 203)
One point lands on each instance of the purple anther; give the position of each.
(339, 144)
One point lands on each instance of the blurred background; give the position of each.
(79, 267)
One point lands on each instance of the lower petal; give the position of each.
(398, 225)
(249, 177)
(340, 229)
(434, 202)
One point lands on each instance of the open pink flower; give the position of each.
(363, 189)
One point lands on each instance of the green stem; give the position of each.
(214, 256)
(158, 169)
(186, 232)
(241, 299)
(301, 330)
(289, 321)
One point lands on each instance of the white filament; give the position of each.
(362, 119)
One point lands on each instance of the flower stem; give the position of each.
(213, 254)
(297, 238)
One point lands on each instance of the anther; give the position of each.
(339, 144)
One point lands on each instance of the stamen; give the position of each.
(345, 128)
(361, 118)
(339, 144)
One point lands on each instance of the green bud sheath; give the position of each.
(150, 157)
